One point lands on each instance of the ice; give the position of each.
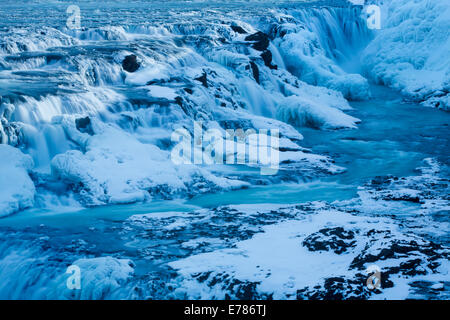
(309, 57)
(100, 278)
(411, 51)
(301, 112)
(17, 188)
(87, 137)
(162, 92)
(118, 168)
(187, 72)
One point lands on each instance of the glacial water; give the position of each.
(392, 139)
(386, 143)
(53, 77)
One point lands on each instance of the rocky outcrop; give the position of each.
(260, 40)
(255, 71)
(84, 125)
(203, 79)
(267, 58)
(238, 29)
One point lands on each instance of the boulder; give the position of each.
(255, 71)
(203, 80)
(260, 40)
(238, 29)
(84, 125)
(130, 63)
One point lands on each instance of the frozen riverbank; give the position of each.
(86, 123)
(215, 246)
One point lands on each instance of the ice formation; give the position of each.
(17, 188)
(411, 51)
(101, 125)
(87, 118)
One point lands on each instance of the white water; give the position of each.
(53, 76)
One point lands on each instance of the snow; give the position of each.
(162, 92)
(152, 72)
(118, 168)
(17, 188)
(300, 258)
(100, 277)
(438, 286)
(305, 57)
(274, 258)
(411, 52)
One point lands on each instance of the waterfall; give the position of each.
(69, 90)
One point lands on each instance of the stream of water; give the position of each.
(56, 77)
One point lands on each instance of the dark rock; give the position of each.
(53, 57)
(404, 197)
(238, 29)
(152, 82)
(378, 180)
(188, 90)
(130, 63)
(179, 101)
(84, 125)
(203, 79)
(260, 40)
(255, 71)
(336, 288)
(398, 249)
(335, 239)
(267, 58)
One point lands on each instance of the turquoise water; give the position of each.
(75, 217)
(392, 139)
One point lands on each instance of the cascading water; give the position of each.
(84, 78)
(89, 114)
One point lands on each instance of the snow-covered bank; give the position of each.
(312, 250)
(323, 251)
(313, 45)
(411, 52)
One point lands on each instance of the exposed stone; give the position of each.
(203, 79)
(335, 239)
(267, 58)
(130, 63)
(260, 40)
(238, 29)
(84, 125)
(255, 71)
